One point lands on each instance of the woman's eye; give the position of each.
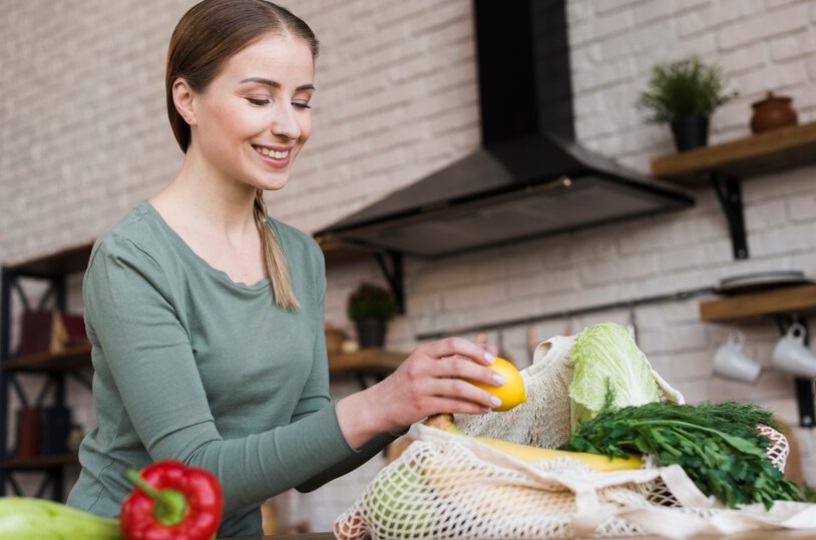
(301, 104)
(257, 101)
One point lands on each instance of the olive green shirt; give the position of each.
(192, 366)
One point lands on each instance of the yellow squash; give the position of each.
(530, 454)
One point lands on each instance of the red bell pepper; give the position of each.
(171, 501)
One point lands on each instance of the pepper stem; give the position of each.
(170, 506)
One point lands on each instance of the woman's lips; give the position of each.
(273, 157)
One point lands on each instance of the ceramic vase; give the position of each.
(773, 112)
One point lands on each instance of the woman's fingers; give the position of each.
(451, 376)
(421, 365)
(461, 393)
(463, 368)
(456, 346)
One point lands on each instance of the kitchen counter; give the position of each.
(757, 535)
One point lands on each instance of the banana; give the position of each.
(29, 518)
(530, 454)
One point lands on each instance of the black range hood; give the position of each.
(530, 177)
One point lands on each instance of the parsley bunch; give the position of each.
(717, 444)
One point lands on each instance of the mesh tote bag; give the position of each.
(448, 486)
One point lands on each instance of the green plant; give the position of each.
(371, 301)
(682, 88)
(808, 493)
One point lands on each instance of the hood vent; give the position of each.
(530, 178)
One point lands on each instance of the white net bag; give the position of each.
(446, 486)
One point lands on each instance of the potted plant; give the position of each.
(684, 94)
(370, 307)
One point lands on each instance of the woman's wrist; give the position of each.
(356, 415)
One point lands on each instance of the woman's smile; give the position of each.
(272, 156)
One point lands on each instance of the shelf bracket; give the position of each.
(15, 486)
(805, 388)
(392, 268)
(729, 193)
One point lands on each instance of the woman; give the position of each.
(206, 316)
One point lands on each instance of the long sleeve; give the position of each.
(192, 366)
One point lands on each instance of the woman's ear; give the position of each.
(184, 98)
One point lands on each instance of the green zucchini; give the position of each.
(30, 518)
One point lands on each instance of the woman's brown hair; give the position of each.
(208, 35)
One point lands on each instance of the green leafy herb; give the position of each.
(717, 444)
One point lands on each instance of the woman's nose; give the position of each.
(285, 123)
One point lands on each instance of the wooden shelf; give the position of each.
(55, 265)
(756, 155)
(800, 300)
(367, 361)
(724, 166)
(40, 462)
(75, 258)
(70, 359)
(785, 304)
(374, 362)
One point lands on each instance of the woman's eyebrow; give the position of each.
(274, 84)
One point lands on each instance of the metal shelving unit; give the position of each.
(17, 282)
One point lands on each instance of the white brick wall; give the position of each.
(84, 137)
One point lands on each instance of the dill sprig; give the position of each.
(717, 444)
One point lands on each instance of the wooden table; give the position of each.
(759, 535)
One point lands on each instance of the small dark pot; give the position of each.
(690, 132)
(773, 112)
(371, 333)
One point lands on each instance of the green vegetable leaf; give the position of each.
(717, 444)
(610, 371)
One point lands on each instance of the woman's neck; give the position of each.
(215, 217)
(204, 196)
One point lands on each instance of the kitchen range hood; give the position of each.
(530, 177)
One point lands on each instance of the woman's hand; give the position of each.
(430, 381)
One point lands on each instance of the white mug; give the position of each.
(791, 355)
(731, 362)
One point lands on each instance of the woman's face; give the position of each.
(253, 119)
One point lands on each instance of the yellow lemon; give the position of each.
(512, 392)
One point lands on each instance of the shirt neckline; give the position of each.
(180, 243)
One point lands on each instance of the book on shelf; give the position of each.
(43, 431)
(56, 426)
(50, 331)
(29, 432)
(73, 330)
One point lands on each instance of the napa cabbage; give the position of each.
(609, 367)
